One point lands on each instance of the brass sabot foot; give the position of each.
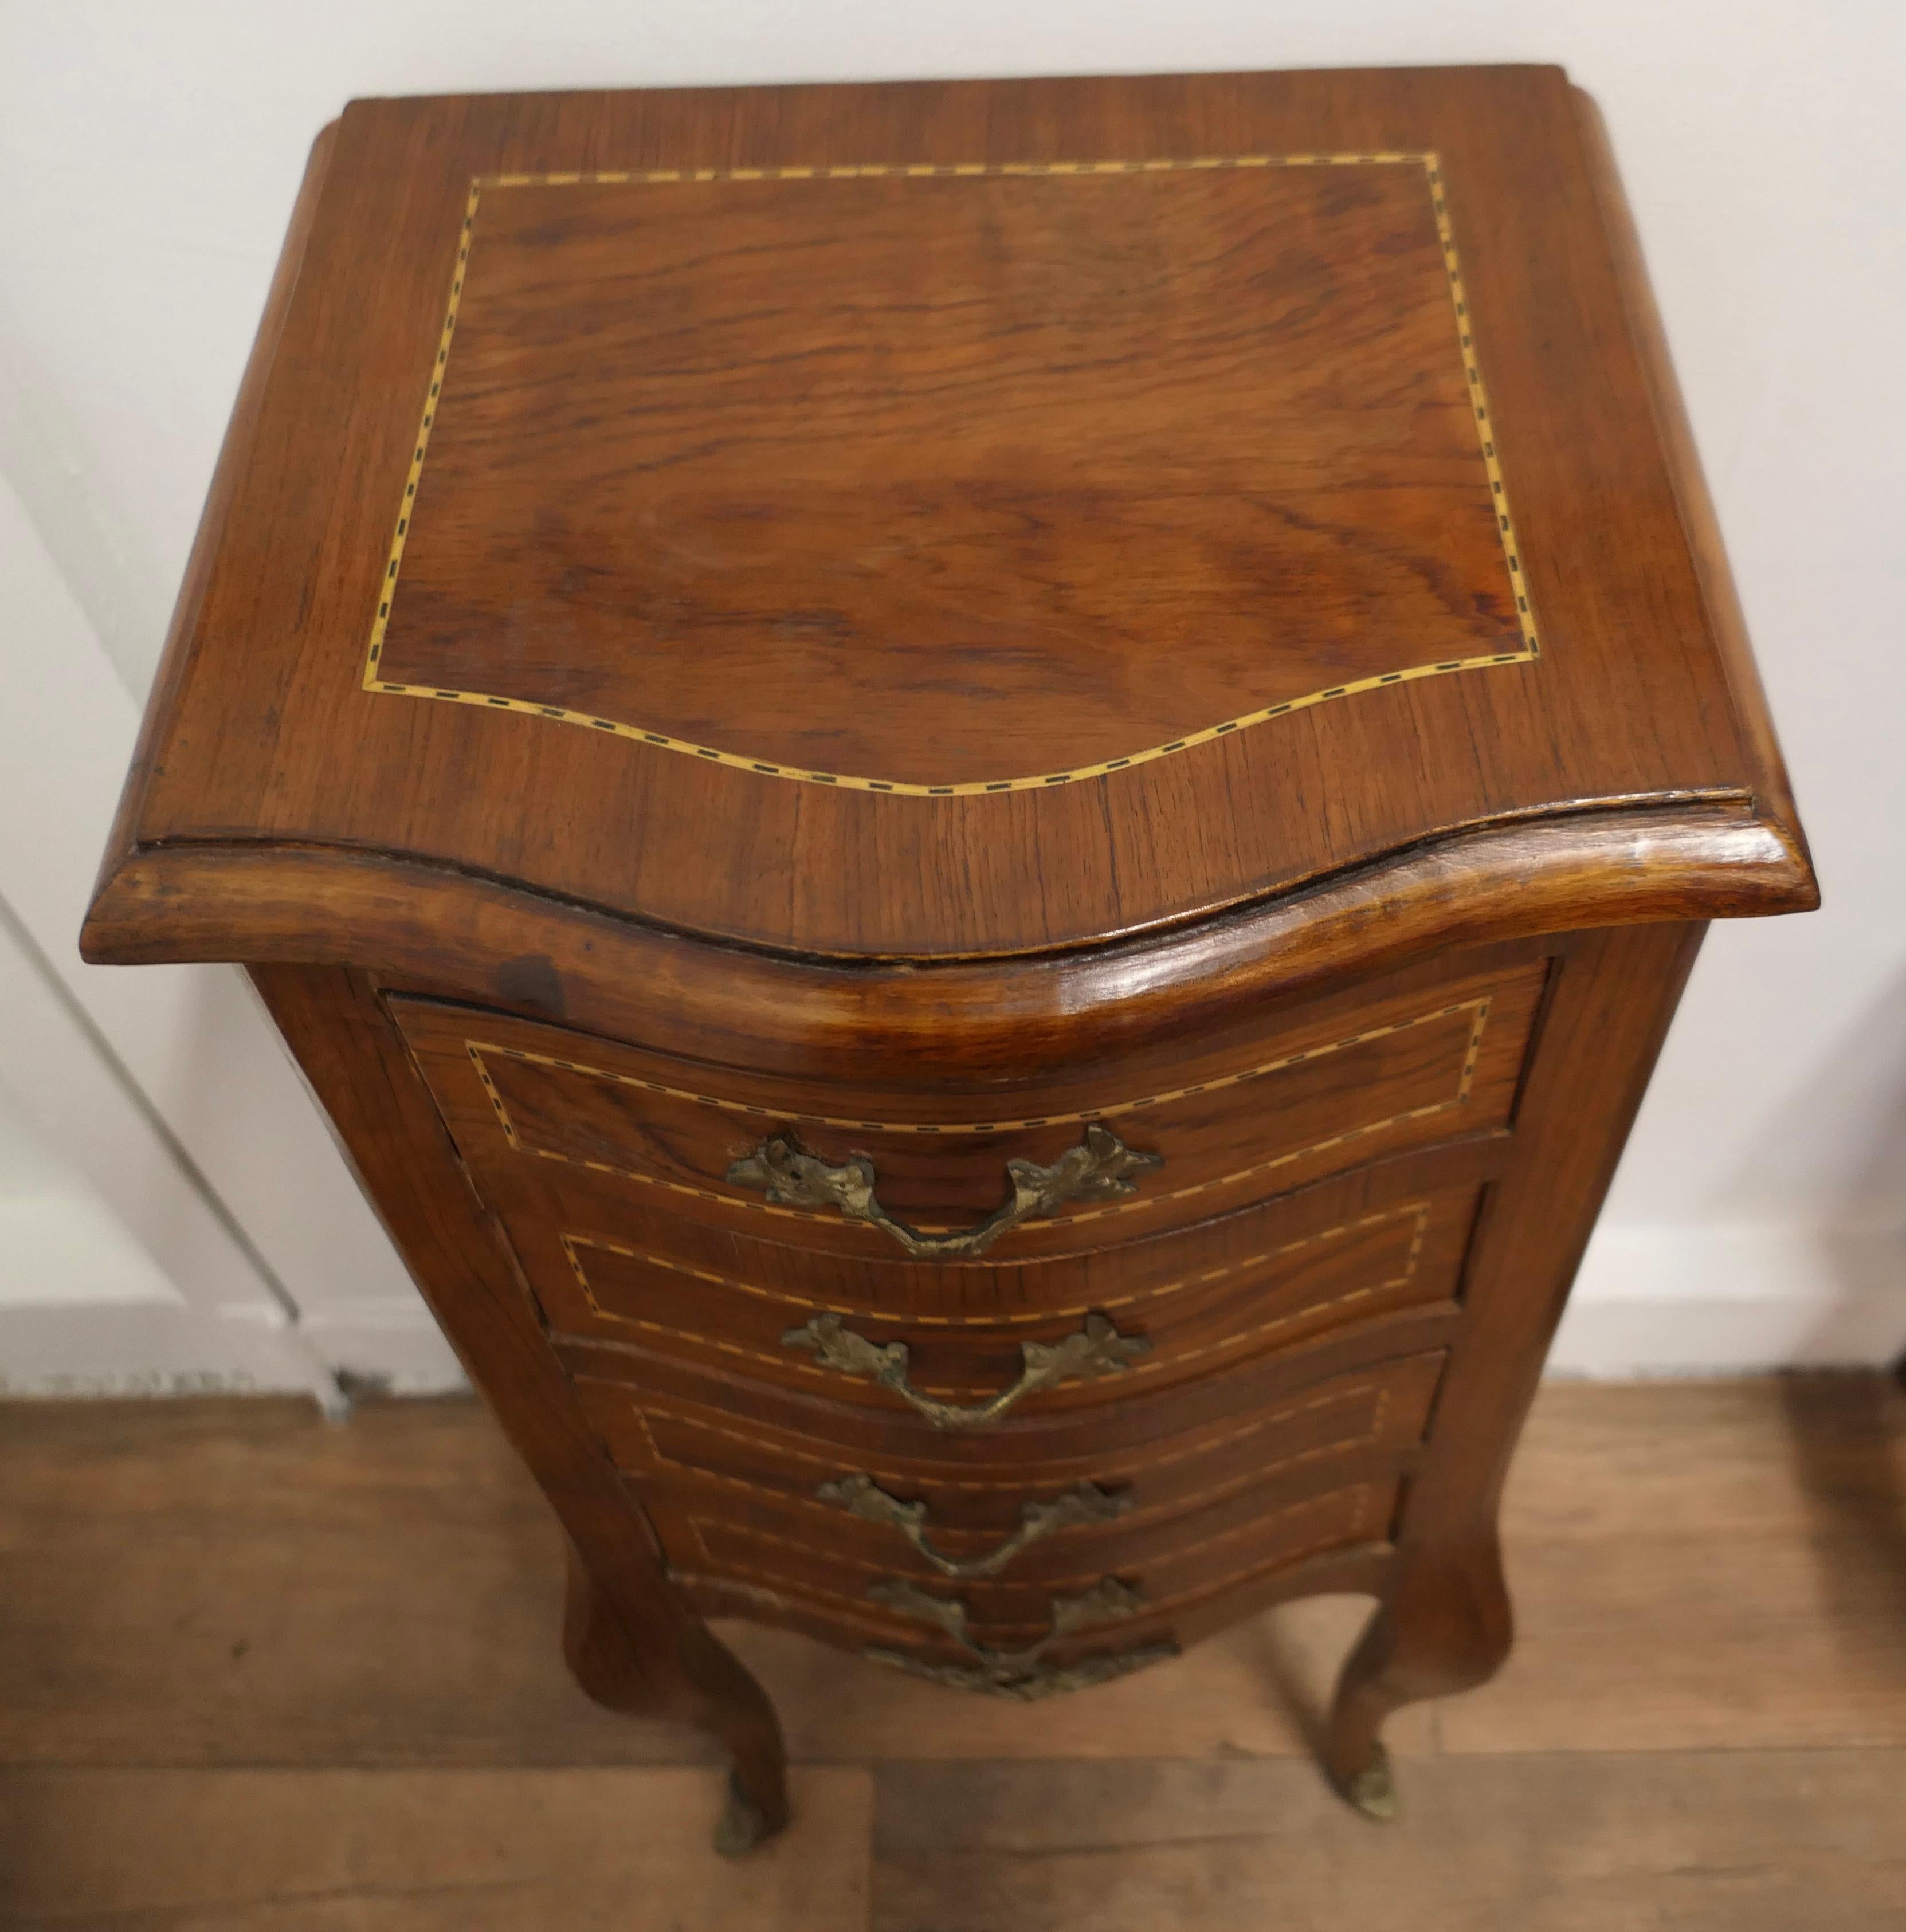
(1373, 1790)
(743, 1825)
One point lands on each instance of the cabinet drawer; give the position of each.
(713, 1486)
(1078, 1329)
(968, 1627)
(1203, 1497)
(690, 1438)
(1342, 1082)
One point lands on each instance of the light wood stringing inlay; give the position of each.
(1122, 1473)
(1148, 1197)
(491, 701)
(1083, 1580)
(766, 1583)
(1152, 1364)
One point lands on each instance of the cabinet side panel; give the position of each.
(356, 1061)
(1612, 996)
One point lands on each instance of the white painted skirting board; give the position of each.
(158, 1348)
(398, 1350)
(147, 1349)
(194, 1065)
(1734, 1300)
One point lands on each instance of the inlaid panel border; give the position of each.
(1428, 161)
(771, 1585)
(1154, 1459)
(1415, 1213)
(1358, 1496)
(1478, 1007)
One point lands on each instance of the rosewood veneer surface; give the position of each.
(979, 804)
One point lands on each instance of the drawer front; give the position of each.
(990, 1561)
(1066, 1503)
(1099, 1325)
(998, 1575)
(1347, 1080)
(1018, 1639)
(692, 1438)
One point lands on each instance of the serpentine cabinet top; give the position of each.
(957, 520)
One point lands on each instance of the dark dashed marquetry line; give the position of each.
(975, 787)
(1478, 1008)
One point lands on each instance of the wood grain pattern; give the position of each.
(1241, 1544)
(1325, 1262)
(706, 1462)
(1700, 1567)
(1710, 1579)
(857, 434)
(631, 1642)
(1708, 1843)
(1580, 1843)
(617, 1386)
(1352, 1080)
(954, 434)
(461, 937)
(1446, 1623)
(506, 1850)
(1443, 1620)
(268, 736)
(1774, 796)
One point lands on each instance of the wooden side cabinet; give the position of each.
(980, 804)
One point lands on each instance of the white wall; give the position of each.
(55, 1227)
(166, 1089)
(118, 1275)
(148, 154)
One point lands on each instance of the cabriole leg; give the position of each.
(699, 1682)
(1444, 1626)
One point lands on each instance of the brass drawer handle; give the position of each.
(1097, 1169)
(1096, 1349)
(1022, 1674)
(866, 1499)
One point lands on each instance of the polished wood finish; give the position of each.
(690, 1453)
(923, 626)
(947, 462)
(631, 1643)
(1044, 1014)
(1332, 1259)
(1387, 1068)
(1630, 698)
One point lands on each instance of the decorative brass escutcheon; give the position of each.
(1025, 1675)
(1098, 1169)
(1097, 1348)
(1087, 1504)
(1042, 1680)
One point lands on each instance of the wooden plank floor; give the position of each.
(257, 1671)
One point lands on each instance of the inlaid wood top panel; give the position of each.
(953, 519)
(952, 479)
